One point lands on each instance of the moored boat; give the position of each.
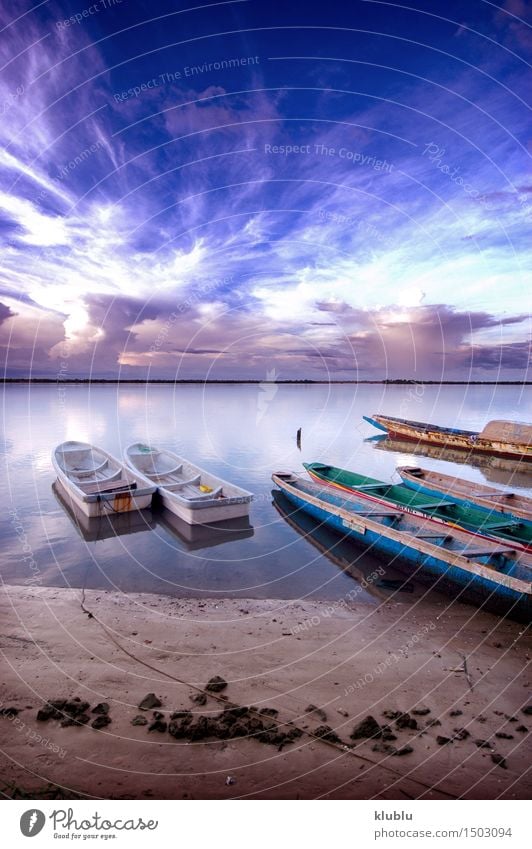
(438, 509)
(97, 483)
(495, 577)
(509, 439)
(507, 505)
(192, 493)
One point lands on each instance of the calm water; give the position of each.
(243, 433)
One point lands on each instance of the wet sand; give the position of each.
(348, 660)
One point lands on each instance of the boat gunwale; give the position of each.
(481, 494)
(451, 521)
(407, 540)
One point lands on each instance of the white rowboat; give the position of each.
(97, 483)
(186, 490)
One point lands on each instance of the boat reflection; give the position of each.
(102, 527)
(374, 577)
(196, 537)
(501, 470)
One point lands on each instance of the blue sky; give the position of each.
(242, 189)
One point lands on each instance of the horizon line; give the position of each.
(394, 381)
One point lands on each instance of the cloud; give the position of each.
(5, 313)
(183, 201)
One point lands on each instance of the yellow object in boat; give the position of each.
(204, 488)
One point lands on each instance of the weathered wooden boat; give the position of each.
(499, 505)
(186, 490)
(496, 577)
(509, 439)
(97, 483)
(102, 527)
(432, 506)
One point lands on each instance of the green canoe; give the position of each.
(442, 510)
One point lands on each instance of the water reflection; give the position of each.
(376, 580)
(231, 431)
(197, 537)
(502, 470)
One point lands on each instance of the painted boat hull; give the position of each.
(467, 581)
(487, 499)
(408, 499)
(451, 437)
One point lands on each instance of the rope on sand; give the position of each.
(342, 748)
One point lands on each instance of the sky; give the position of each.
(261, 190)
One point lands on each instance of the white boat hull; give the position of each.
(186, 490)
(94, 503)
(204, 515)
(112, 503)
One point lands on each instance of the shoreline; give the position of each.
(401, 382)
(347, 663)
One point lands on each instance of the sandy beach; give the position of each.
(448, 688)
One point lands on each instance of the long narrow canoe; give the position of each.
(509, 439)
(195, 495)
(496, 577)
(431, 506)
(510, 506)
(97, 483)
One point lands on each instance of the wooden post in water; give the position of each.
(298, 438)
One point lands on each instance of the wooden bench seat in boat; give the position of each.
(204, 496)
(86, 473)
(173, 471)
(175, 487)
(481, 552)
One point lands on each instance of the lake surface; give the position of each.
(243, 433)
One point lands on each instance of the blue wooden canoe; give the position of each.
(440, 509)
(493, 576)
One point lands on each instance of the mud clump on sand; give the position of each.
(325, 732)
(406, 721)
(69, 711)
(216, 684)
(233, 722)
(368, 728)
(318, 712)
(149, 702)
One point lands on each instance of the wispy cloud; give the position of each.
(390, 198)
